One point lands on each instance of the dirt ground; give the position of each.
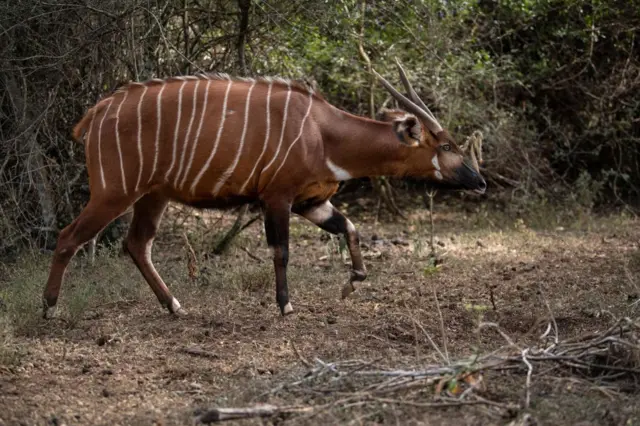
(113, 356)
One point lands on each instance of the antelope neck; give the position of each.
(362, 147)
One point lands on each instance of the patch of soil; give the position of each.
(132, 363)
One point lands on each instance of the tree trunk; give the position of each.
(243, 27)
(36, 165)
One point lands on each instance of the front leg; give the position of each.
(329, 218)
(276, 225)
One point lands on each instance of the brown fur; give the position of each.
(135, 159)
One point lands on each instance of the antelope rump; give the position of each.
(212, 141)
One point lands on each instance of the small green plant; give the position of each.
(478, 310)
(432, 266)
(256, 279)
(109, 280)
(10, 353)
(77, 300)
(21, 293)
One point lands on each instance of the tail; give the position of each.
(81, 128)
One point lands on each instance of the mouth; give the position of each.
(471, 179)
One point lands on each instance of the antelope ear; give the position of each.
(408, 129)
(388, 115)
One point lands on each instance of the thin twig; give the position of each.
(251, 255)
(553, 318)
(428, 336)
(192, 261)
(442, 330)
(199, 353)
(432, 246)
(528, 383)
(300, 357)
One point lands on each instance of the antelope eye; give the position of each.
(446, 147)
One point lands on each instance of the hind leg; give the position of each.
(95, 216)
(147, 214)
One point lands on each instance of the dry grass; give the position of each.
(114, 357)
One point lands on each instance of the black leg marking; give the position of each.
(276, 224)
(327, 217)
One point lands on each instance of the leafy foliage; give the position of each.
(553, 84)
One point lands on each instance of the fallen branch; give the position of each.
(609, 358)
(599, 358)
(217, 415)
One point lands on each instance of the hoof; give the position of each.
(176, 309)
(48, 312)
(287, 310)
(180, 313)
(347, 289)
(358, 276)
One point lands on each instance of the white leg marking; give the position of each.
(104, 185)
(195, 140)
(157, 142)
(284, 124)
(350, 228)
(175, 305)
(185, 145)
(288, 308)
(435, 162)
(223, 115)
(321, 213)
(124, 182)
(304, 119)
(49, 312)
(227, 173)
(266, 139)
(177, 131)
(338, 172)
(140, 137)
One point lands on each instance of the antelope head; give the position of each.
(434, 154)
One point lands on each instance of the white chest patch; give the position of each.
(435, 162)
(338, 172)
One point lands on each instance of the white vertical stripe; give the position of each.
(284, 124)
(157, 142)
(195, 140)
(223, 116)
(124, 183)
(87, 139)
(227, 173)
(185, 145)
(140, 136)
(304, 119)
(104, 185)
(177, 131)
(266, 139)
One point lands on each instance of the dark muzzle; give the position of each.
(468, 178)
